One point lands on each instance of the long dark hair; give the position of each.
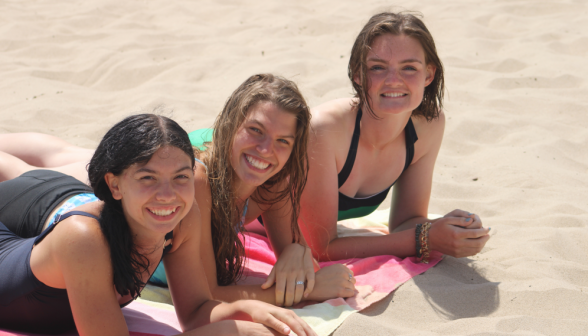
(133, 140)
(403, 23)
(284, 94)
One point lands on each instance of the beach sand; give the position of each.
(515, 149)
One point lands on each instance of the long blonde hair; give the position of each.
(284, 94)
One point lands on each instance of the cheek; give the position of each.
(188, 193)
(284, 155)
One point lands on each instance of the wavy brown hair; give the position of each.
(403, 23)
(290, 180)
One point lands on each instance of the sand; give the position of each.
(514, 152)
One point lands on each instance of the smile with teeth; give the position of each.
(393, 95)
(163, 213)
(256, 163)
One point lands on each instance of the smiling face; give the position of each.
(155, 196)
(263, 143)
(397, 74)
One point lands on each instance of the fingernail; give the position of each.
(468, 219)
(489, 228)
(469, 213)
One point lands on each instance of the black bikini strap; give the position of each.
(348, 166)
(58, 219)
(168, 236)
(410, 137)
(61, 217)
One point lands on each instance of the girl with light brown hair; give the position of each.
(360, 147)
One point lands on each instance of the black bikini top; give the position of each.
(346, 202)
(61, 217)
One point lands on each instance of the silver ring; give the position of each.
(350, 277)
(299, 282)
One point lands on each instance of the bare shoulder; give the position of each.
(202, 186)
(429, 131)
(189, 226)
(187, 229)
(333, 112)
(79, 238)
(334, 120)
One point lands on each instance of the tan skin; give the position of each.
(398, 75)
(76, 257)
(272, 143)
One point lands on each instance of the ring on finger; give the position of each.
(299, 283)
(350, 277)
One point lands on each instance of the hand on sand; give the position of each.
(332, 282)
(458, 234)
(295, 265)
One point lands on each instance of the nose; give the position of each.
(265, 146)
(165, 193)
(393, 77)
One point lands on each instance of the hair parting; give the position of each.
(134, 140)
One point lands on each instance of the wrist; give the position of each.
(240, 310)
(422, 246)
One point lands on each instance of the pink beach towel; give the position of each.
(376, 278)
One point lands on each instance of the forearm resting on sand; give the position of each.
(459, 234)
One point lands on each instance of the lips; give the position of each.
(259, 164)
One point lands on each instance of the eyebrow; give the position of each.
(255, 121)
(151, 171)
(410, 60)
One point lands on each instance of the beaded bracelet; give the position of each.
(424, 242)
(417, 233)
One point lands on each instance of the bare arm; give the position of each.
(81, 255)
(223, 293)
(409, 207)
(458, 233)
(294, 260)
(320, 207)
(193, 300)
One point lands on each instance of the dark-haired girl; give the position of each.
(70, 261)
(362, 146)
(253, 165)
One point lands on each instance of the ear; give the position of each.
(431, 69)
(113, 184)
(357, 78)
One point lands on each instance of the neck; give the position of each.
(146, 241)
(242, 191)
(147, 245)
(380, 132)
